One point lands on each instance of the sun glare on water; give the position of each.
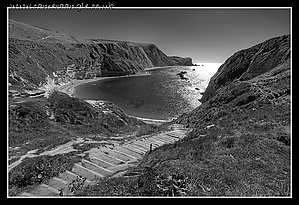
(208, 69)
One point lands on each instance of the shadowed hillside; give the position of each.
(240, 141)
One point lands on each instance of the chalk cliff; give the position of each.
(38, 54)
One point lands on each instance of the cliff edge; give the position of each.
(249, 63)
(38, 56)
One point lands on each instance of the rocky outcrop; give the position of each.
(182, 61)
(249, 63)
(36, 54)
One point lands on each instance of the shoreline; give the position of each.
(69, 87)
(69, 90)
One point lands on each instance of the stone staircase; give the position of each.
(110, 160)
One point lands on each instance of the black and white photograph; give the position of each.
(139, 102)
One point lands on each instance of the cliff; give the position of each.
(240, 143)
(38, 54)
(182, 61)
(249, 63)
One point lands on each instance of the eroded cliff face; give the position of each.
(182, 61)
(38, 54)
(249, 63)
(253, 80)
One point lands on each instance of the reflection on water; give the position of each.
(161, 95)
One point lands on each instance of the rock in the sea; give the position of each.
(181, 74)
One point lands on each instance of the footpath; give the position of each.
(107, 161)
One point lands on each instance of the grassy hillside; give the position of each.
(240, 144)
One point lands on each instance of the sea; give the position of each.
(159, 95)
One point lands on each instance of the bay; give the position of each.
(161, 95)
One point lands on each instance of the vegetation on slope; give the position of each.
(245, 153)
(240, 144)
(44, 124)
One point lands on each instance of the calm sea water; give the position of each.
(162, 95)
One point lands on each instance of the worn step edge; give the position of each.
(96, 168)
(108, 158)
(50, 188)
(174, 136)
(123, 161)
(135, 149)
(127, 155)
(102, 162)
(89, 174)
(57, 183)
(125, 149)
(143, 150)
(156, 141)
(145, 143)
(154, 144)
(116, 155)
(164, 138)
(147, 147)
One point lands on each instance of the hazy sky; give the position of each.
(205, 35)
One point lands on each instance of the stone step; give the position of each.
(85, 172)
(146, 143)
(51, 189)
(144, 146)
(132, 149)
(155, 141)
(68, 176)
(120, 168)
(58, 183)
(117, 155)
(129, 156)
(151, 142)
(141, 149)
(127, 151)
(43, 191)
(164, 138)
(178, 126)
(174, 135)
(94, 167)
(178, 132)
(109, 158)
(101, 162)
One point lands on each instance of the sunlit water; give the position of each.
(161, 95)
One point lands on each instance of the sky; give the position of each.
(205, 35)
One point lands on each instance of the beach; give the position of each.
(69, 87)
